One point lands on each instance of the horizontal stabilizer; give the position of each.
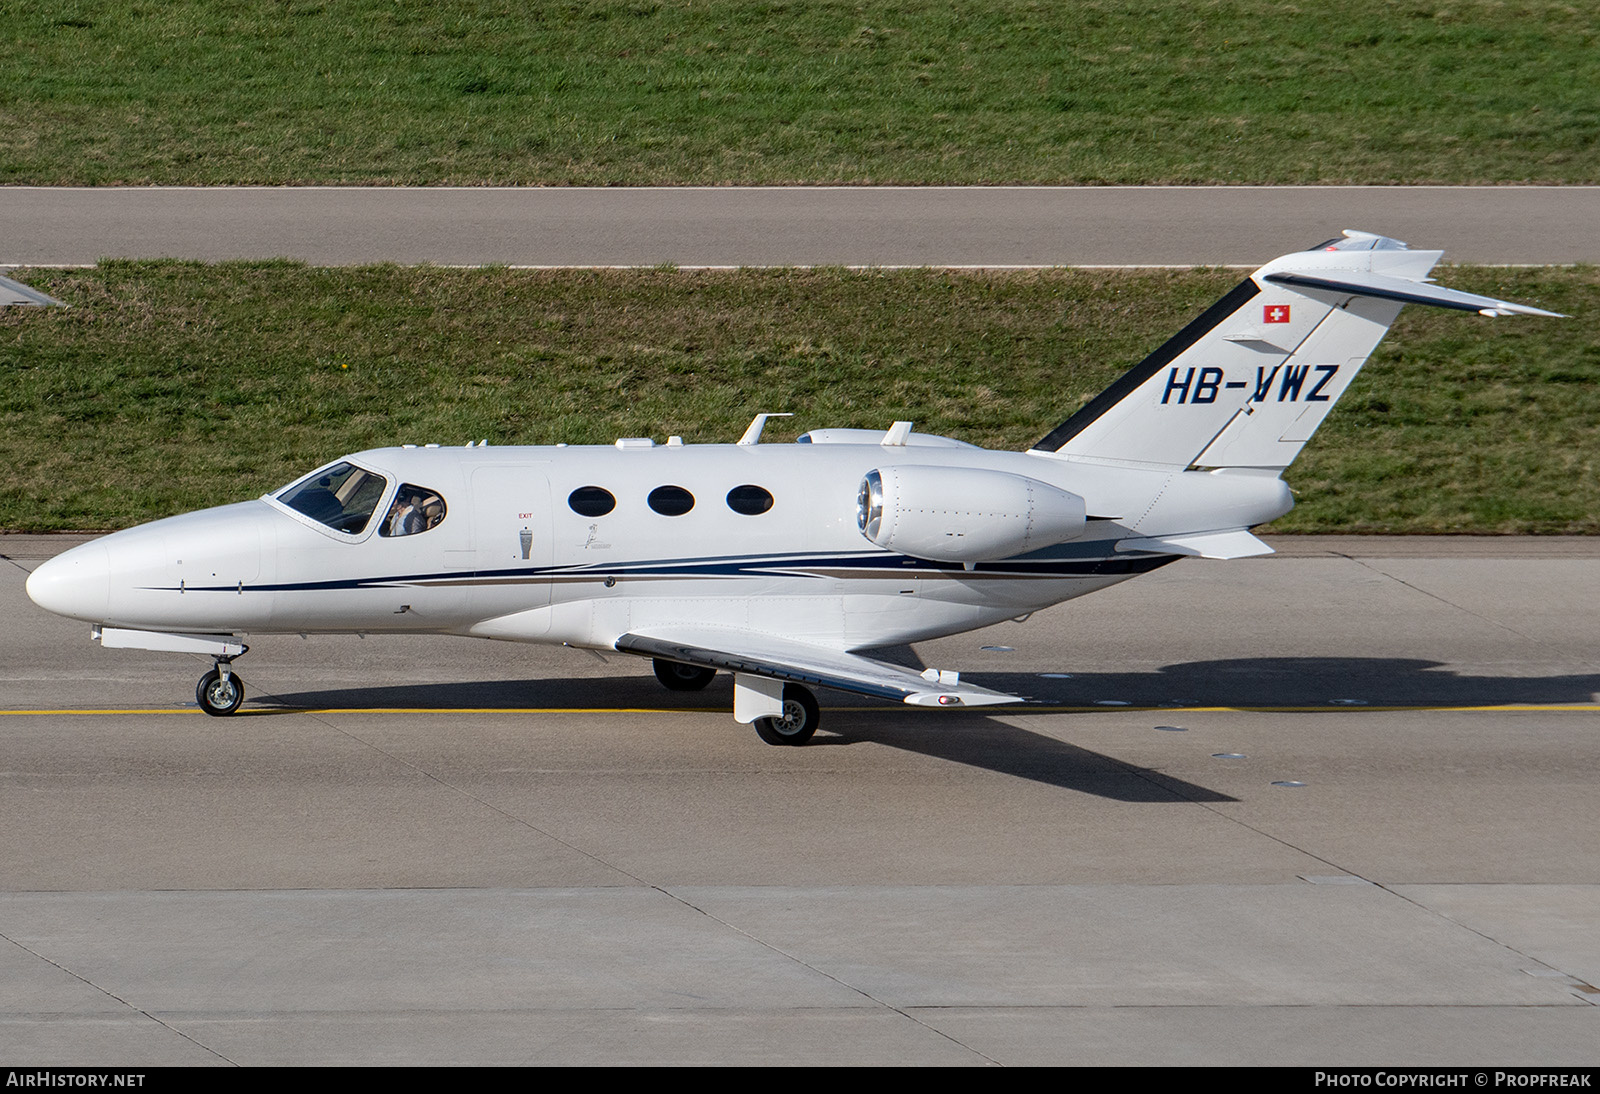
(1358, 283)
(1235, 544)
(15, 292)
(783, 659)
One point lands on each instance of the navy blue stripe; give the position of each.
(1022, 567)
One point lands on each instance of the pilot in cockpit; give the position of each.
(406, 518)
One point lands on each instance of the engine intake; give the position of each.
(964, 514)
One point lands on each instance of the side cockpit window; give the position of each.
(415, 509)
(342, 497)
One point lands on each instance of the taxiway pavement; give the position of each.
(1328, 807)
(994, 226)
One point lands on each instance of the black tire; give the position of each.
(215, 697)
(676, 677)
(798, 721)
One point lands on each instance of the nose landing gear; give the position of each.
(220, 692)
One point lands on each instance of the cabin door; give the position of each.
(511, 511)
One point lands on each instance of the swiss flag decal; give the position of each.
(1275, 313)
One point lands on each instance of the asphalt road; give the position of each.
(788, 226)
(415, 850)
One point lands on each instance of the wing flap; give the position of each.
(782, 659)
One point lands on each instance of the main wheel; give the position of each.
(217, 696)
(797, 722)
(682, 677)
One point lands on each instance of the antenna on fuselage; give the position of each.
(757, 424)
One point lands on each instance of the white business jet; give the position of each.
(776, 563)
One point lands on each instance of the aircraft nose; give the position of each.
(76, 584)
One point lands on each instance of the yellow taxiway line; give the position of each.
(1496, 708)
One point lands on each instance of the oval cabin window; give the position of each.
(591, 501)
(671, 501)
(750, 500)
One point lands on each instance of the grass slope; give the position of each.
(169, 386)
(854, 91)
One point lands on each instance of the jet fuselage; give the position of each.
(512, 557)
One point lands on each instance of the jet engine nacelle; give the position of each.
(964, 514)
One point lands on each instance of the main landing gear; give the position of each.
(680, 677)
(795, 726)
(220, 692)
(798, 721)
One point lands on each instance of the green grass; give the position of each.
(169, 386)
(873, 91)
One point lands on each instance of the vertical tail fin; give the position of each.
(1248, 382)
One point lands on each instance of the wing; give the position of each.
(753, 653)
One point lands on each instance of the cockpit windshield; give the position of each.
(342, 497)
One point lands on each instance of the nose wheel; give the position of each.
(220, 691)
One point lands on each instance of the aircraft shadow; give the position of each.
(970, 738)
(994, 742)
(990, 744)
(1332, 682)
(569, 693)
